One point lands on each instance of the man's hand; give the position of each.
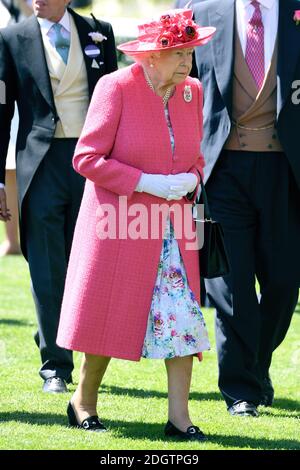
(4, 212)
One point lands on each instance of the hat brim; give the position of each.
(137, 47)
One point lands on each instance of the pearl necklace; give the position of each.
(168, 93)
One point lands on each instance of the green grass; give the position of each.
(133, 400)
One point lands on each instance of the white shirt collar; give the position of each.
(45, 24)
(265, 3)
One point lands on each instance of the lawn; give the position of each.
(133, 400)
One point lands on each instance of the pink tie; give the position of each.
(255, 48)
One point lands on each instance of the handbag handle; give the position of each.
(207, 214)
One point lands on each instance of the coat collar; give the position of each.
(31, 42)
(83, 29)
(223, 47)
(32, 46)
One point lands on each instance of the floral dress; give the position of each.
(176, 325)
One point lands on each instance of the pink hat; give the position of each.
(174, 30)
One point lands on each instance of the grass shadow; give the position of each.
(287, 404)
(247, 442)
(134, 430)
(141, 393)
(41, 419)
(12, 322)
(152, 431)
(269, 414)
(284, 405)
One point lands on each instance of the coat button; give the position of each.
(274, 136)
(270, 146)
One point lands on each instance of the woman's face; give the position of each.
(173, 66)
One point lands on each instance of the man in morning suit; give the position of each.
(251, 148)
(50, 65)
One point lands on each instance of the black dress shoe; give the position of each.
(193, 433)
(55, 385)
(91, 423)
(267, 396)
(243, 408)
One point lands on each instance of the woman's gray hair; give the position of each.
(145, 58)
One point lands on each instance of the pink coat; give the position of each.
(110, 282)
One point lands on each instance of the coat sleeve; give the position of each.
(199, 165)
(92, 154)
(110, 54)
(8, 91)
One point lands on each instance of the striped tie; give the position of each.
(61, 39)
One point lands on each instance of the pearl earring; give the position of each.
(151, 65)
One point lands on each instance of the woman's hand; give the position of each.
(168, 187)
(188, 181)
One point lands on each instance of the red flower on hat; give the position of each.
(175, 30)
(166, 39)
(189, 33)
(166, 20)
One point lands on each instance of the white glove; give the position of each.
(166, 186)
(188, 181)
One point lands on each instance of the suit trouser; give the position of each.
(255, 197)
(50, 211)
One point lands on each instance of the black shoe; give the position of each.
(55, 385)
(267, 396)
(243, 408)
(91, 423)
(193, 433)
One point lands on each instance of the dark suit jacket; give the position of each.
(24, 70)
(215, 63)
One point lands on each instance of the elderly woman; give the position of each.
(133, 286)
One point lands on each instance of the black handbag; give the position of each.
(213, 258)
